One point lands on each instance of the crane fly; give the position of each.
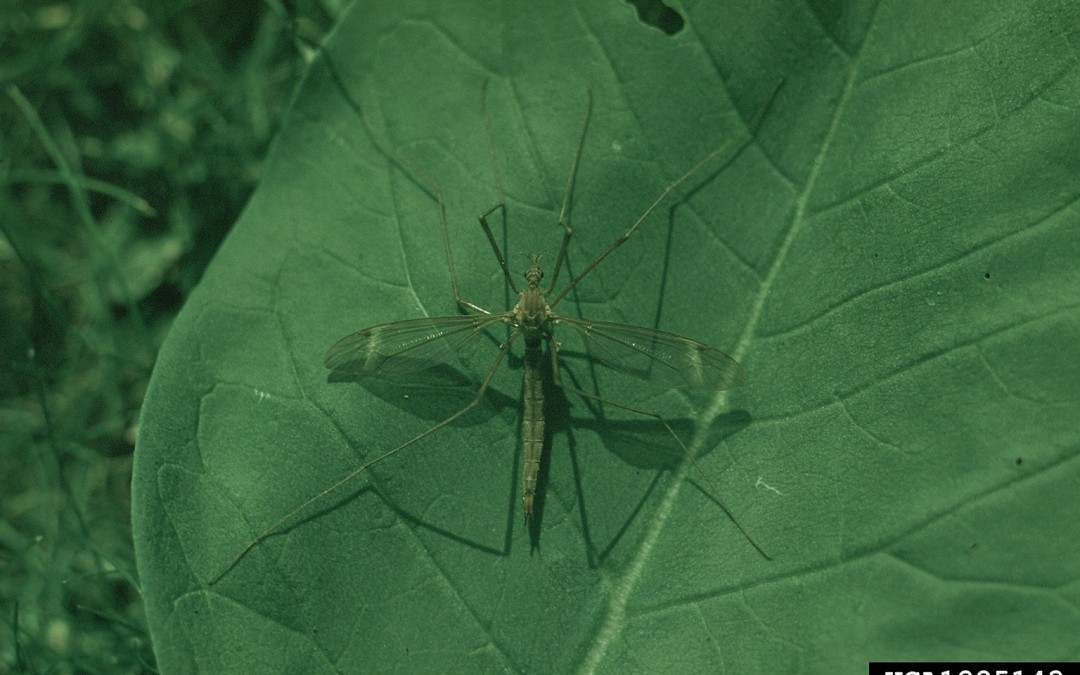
(410, 346)
(404, 347)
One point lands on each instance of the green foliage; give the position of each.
(893, 260)
(131, 137)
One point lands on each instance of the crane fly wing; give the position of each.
(656, 356)
(404, 347)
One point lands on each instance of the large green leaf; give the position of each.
(894, 260)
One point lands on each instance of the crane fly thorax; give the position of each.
(532, 311)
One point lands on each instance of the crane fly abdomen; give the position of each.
(532, 426)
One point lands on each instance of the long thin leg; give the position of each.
(748, 135)
(567, 232)
(498, 188)
(495, 245)
(427, 184)
(504, 348)
(553, 347)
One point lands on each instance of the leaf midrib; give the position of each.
(614, 617)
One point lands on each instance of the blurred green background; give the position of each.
(131, 134)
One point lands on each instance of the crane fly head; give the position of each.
(534, 274)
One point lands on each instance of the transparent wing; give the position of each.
(405, 347)
(659, 357)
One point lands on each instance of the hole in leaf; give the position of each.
(658, 15)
